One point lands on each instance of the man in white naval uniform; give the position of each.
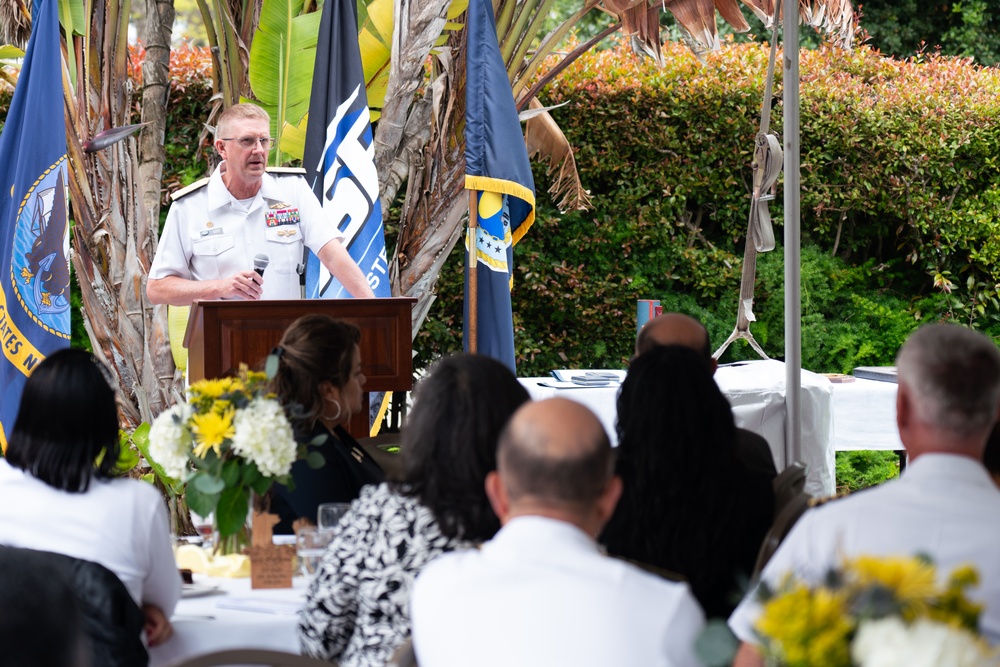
(217, 226)
(944, 505)
(541, 593)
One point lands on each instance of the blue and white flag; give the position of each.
(496, 165)
(340, 155)
(34, 233)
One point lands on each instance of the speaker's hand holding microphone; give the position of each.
(248, 285)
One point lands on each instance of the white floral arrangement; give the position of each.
(229, 439)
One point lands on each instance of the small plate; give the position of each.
(198, 590)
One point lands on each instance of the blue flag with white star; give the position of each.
(497, 166)
(34, 234)
(340, 155)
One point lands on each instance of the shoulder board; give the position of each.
(183, 192)
(286, 170)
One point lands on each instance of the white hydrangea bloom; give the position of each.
(170, 440)
(264, 436)
(888, 642)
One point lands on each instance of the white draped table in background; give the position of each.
(266, 620)
(854, 415)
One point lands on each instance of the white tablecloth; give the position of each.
(835, 417)
(202, 626)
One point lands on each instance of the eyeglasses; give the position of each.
(249, 143)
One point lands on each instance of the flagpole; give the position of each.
(472, 267)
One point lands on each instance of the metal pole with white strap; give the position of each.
(793, 295)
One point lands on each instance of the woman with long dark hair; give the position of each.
(688, 506)
(58, 492)
(357, 610)
(320, 383)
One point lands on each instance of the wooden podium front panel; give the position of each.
(232, 332)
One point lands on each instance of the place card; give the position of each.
(271, 565)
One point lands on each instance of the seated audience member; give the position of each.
(688, 505)
(320, 383)
(944, 504)
(541, 592)
(991, 457)
(357, 609)
(40, 622)
(57, 493)
(752, 450)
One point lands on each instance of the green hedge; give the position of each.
(899, 174)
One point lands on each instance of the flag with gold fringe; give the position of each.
(497, 167)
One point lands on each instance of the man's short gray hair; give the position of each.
(953, 375)
(237, 112)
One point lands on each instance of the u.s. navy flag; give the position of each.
(340, 156)
(496, 165)
(34, 234)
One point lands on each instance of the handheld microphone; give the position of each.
(260, 263)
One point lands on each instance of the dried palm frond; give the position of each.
(545, 139)
(15, 22)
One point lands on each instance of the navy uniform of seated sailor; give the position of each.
(217, 226)
(944, 505)
(320, 383)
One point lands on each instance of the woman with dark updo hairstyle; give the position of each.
(357, 610)
(688, 506)
(320, 383)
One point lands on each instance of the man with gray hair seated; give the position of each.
(541, 592)
(944, 505)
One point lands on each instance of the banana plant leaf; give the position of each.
(282, 59)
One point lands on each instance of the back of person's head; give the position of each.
(40, 621)
(673, 419)
(952, 377)
(674, 329)
(66, 421)
(314, 349)
(238, 112)
(449, 441)
(555, 453)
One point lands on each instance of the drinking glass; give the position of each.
(310, 545)
(329, 514)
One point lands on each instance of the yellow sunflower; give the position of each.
(211, 388)
(211, 430)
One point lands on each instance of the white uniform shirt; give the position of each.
(944, 506)
(540, 593)
(209, 234)
(119, 523)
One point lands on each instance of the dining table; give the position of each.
(851, 413)
(217, 614)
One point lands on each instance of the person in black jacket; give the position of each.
(752, 449)
(320, 383)
(688, 506)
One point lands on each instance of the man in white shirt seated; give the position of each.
(944, 505)
(541, 592)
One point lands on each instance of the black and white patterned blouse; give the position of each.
(357, 610)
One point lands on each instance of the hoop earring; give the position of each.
(336, 416)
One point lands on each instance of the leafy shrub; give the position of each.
(899, 204)
(861, 469)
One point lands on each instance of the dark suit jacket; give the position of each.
(346, 468)
(754, 453)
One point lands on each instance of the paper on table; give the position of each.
(592, 377)
(261, 605)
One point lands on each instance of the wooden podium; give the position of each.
(223, 334)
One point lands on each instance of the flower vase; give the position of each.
(230, 544)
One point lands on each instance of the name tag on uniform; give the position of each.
(211, 232)
(282, 214)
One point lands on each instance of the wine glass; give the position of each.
(310, 545)
(329, 514)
